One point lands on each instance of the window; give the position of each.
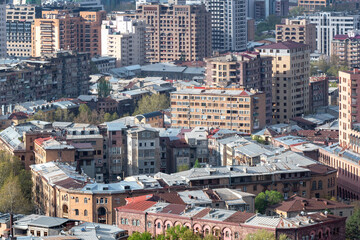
(101, 201)
(134, 222)
(236, 235)
(340, 214)
(149, 224)
(106, 201)
(77, 212)
(77, 199)
(85, 212)
(313, 185)
(167, 226)
(320, 185)
(137, 222)
(158, 225)
(85, 200)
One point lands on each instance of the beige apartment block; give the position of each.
(297, 30)
(290, 84)
(124, 39)
(346, 48)
(228, 108)
(313, 5)
(176, 32)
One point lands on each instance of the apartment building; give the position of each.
(345, 156)
(229, 34)
(49, 149)
(248, 70)
(329, 24)
(297, 30)
(65, 30)
(290, 84)
(313, 5)
(235, 109)
(261, 9)
(124, 39)
(18, 29)
(143, 152)
(318, 92)
(3, 29)
(62, 74)
(345, 47)
(176, 32)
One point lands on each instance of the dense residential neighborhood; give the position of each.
(179, 120)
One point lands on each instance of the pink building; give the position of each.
(156, 217)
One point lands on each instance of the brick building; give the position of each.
(176, 32)
(245, 69)
(344, 46)
(156, 217)
(48, 149)
(65, 30)
(227, 108)
(318, 92)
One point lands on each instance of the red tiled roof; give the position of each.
(174, 209)
(319, 169)
(18, 116)
(139, 198)
(170, 197)
(139, 206)
(40, 141)
(70, 183)
(202, 213)
(243, 93)
(283, 45)
(298, 204)
(239, 217)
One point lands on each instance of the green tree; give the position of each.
(296, 11)
(261, 235)
(114, 116)
(13, 199)
(267, 198)
(107, 117)
(104, 87)
(152, 103)
(140, 236)
(353, 226)
(182, 168)
(197, 164)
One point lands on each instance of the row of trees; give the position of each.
(15, 186)
(183, 233)
(85, 115)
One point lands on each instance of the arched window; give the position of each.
(227, 234)
(77, 199)
(85, 200)
(158, 225)
(313, 185)
(85, 212)
(137, 222)
(65, 209)
(320, 185)
(168, 226)
(236, 235)
(76, 212)
(134, 222)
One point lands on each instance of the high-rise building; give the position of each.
(124, 39)
(345, 47)
(290, 83)
(264, 8)
(228, 22)
(345, 156)
(318, 92)
(2, 28)
(245, 69)
(227, 108)
(62, 29)
(297, 30)
(176, 32)
(329, 24)
(18, 29)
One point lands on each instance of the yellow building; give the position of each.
(290, 83)
(48, 149)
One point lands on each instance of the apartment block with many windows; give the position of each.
(227, 108)
(297, 30)
(246, 69)
(290, 84)
(176, 32)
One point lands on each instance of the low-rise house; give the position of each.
(49, 149)
(298, 205)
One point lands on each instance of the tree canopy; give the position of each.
(353, 226)
(330, 68)
(15, 185)
(104, 87)
(263, 234)
(267, 198)
(152, 103)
